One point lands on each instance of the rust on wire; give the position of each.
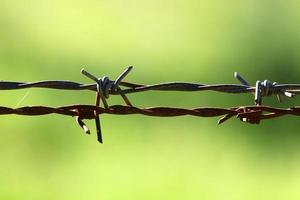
(250, 114)
(104, 87)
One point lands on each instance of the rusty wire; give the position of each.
(105, 87)
(250, 114)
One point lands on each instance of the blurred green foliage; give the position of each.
(149, 158)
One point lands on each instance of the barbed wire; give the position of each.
(249, 114)
(105, 87)
(266, 87)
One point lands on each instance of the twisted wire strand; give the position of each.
(86, 111)
(134, 88)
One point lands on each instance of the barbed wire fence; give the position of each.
(104, 87)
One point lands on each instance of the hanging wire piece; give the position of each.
(104, 87)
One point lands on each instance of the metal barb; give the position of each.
(117, 82)
(100, 95)
(258, 93)
(97, 118)
(82, 125)
(241, 79)
(100, 84)
(98, 128)
(121, 77)
(87, 74)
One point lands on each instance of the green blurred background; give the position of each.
(143, 157)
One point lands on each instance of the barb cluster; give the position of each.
(105, 87)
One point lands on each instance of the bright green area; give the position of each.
(184, 158)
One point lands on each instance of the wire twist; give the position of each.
(104, 87)
(267, 88)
